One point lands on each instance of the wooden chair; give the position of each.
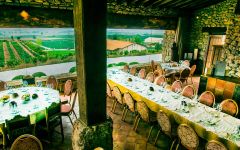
(129, 105)
(133, 71)
(68, 89)
(142, 74)
(165, 126)
(53, 119)
(117, 98)
(52, 82)
(146, 115)
(2, 85)
(159, 72)
(177, 85)
(188, 137)
(160, 80)
(68, 108)
(27, 142)
(189, 91)
(215, 145)
(230, 107)
(3, 137)
(126, 68)
(192, 70)
(207, 98)
(17, 126)
(184, 74)
(150, 77)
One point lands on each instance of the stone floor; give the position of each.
(124, 137)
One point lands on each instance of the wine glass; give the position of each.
(39, 84)
(25, 83)
(217, 107)
(50, 85)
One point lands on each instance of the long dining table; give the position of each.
(209, 123)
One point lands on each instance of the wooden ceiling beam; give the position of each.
(171, 4)
(158, 2)
(193, 3)
(186, 2)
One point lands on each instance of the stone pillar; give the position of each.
(92, 129)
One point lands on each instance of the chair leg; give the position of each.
(157, 136)
(149, 134)
(114, 107)
(178, 144)
(70, 120)
(74, 114)
(137, 124)
(173, 142)
(61, 126)
(135, 121)
(123, 113)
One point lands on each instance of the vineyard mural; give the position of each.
(26, 47)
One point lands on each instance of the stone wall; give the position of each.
(219, 15)
(168, 39)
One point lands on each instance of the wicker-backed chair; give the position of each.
(160, 80)
(68, 89)
(192, 70)
(27, 142)
(126, 68)
(150, 77)
(177, 85)
(133, 71)
(207, 98)
(189, 91)
(142, 73)
(188, 137)
(215, 145)
(230, 107)
(68, 108)
(165, 126)
(129, 105)
(153, 65)
(186, 63)
(52, 82)
(184, 74)
(146, 115)
(17, 126)
(118, 99)
(159, 72)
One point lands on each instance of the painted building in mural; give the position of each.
(122, 46)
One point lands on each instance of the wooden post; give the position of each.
(90, 44)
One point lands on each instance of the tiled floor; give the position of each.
(124, 137)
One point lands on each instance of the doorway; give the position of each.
(215, 50)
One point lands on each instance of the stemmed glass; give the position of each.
(217, 107)
(25, 83)
(49, 85)
(39, 84)
(163, 84)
